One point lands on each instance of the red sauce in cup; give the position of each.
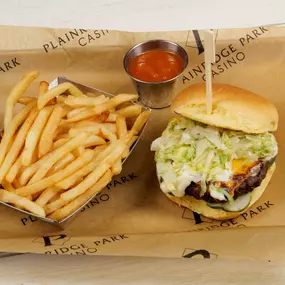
(155, 66)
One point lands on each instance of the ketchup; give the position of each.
(155, 66)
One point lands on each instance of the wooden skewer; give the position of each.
(209, 46)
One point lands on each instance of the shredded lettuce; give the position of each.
(189, 151)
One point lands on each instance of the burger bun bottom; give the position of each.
(201, 207)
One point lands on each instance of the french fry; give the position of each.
(79, 151)
(13, 171)
(55, 197)
(114, 102)
(53, 206)
(30, 197)
(43, 88)
(117, 167)
(65, 136)
(34, 134)
(58, 90)
(111, 118)
(57, 133)
(88, 182)
(62, 129)
(61, 163)
(35, 154)
(66, 110)
(95, 122)
(102, 117)
(74, 177)
(29, 171)
(130, 143)
(26, 100)
(138, 125)
(15, 94)
(85, 123)
(56, 155)
(8, 134)
(47, 195)
(56, 177)
(94, 129)
(117, 152)
(7, 186)
(93, 140)
(99, 109)
(59, 143)
(16, 183)
(22, 202)
(17, 144)
(77, 182)
(121, 127)
(129, 111)
(103, 164)
(61, 98)
(76, 111)
(108, 134)
(68, 209)
(85, 114)
(136, 128)
(46, 140)
(84, 101)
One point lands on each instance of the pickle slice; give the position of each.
(238, 205)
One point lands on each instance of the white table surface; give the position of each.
(138, 15)
(142, 15)
(66, 270)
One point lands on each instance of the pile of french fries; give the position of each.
(63, 146)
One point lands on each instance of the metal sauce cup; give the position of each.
(156, 94)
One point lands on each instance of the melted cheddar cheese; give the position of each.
(242, 166)
(241, 170)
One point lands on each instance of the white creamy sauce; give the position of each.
(155, 146)
(224, 176)
(217, 195)
(254, 170)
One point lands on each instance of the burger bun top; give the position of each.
(232, 108)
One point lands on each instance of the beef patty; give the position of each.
(246, 186)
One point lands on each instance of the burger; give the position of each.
(219, 164)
